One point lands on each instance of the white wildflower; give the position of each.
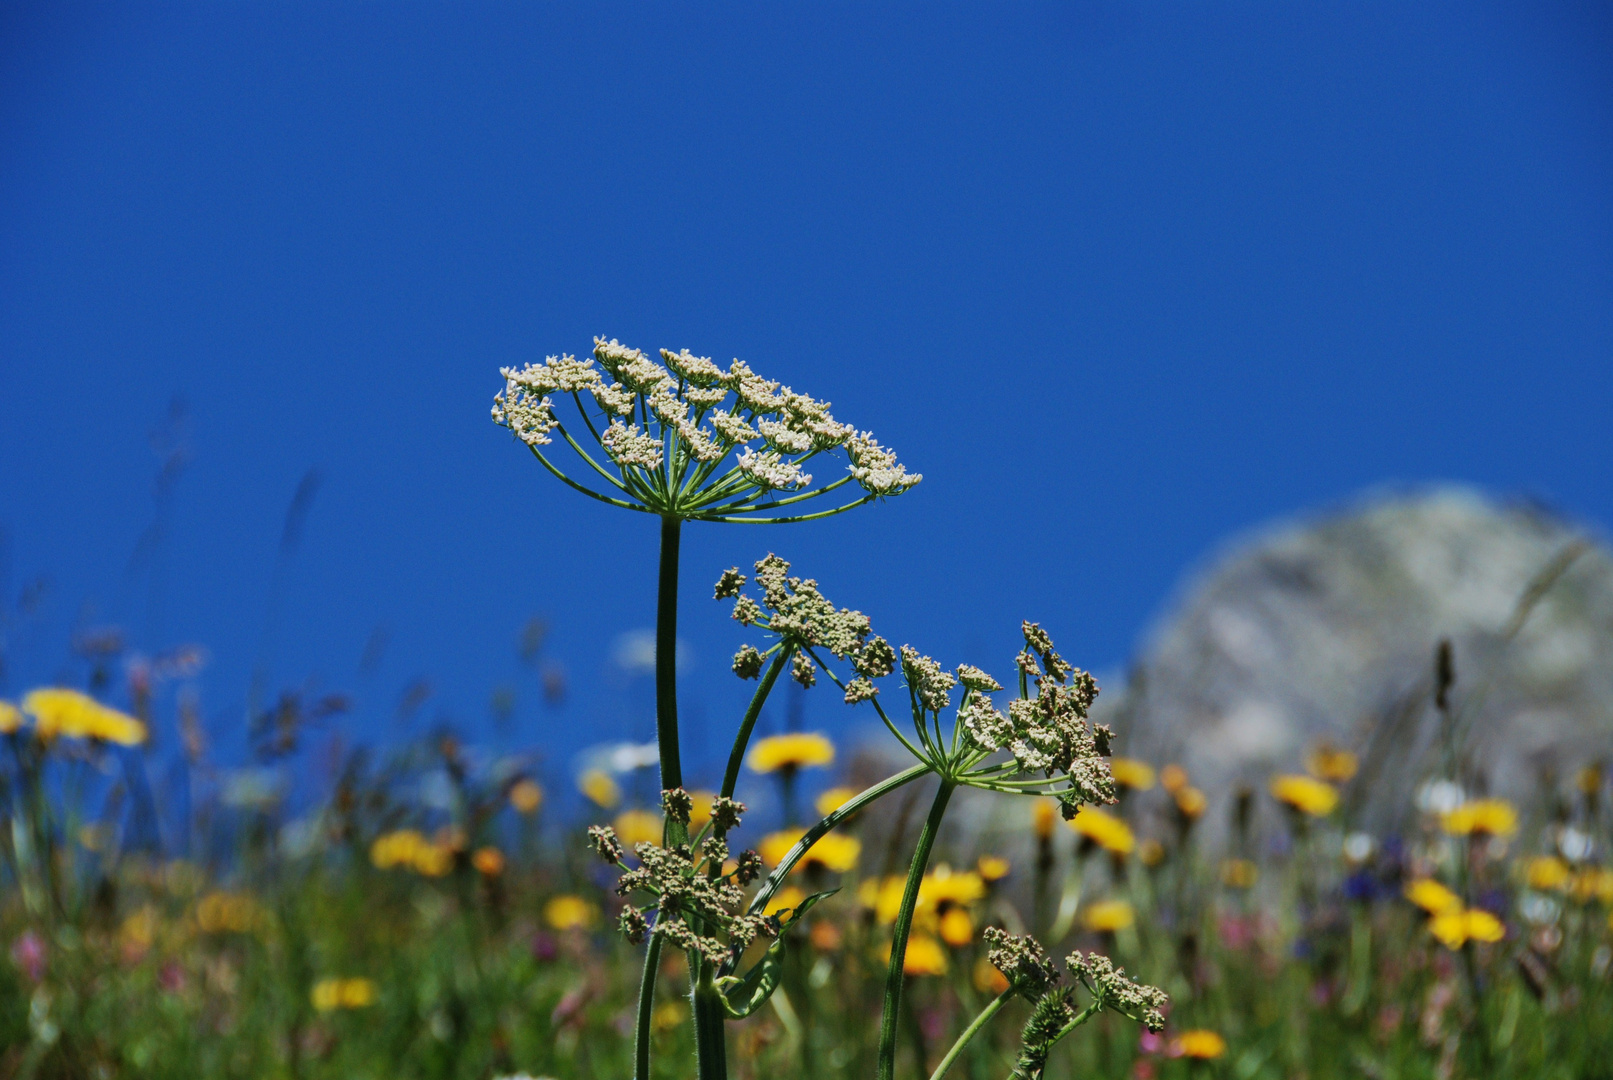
(704, 398)
(783, 438)
(669, 408)
(876, 468)
(613, 355)
(614, 400)
(930, 684)
(770, 472)
(627, 446)
(732, 428)
(757, 394)
(643, 376)
(701, 445)
(696, 369)
(528, 416)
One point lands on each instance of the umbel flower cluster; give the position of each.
(688, 438)
(802, 619)
(1033, 976)
(697, 899)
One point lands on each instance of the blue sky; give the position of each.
(1122, 280)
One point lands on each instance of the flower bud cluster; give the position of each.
(1109, 984)
(1022, 960)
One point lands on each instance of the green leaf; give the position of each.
(744, 994)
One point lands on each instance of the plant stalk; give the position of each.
(904, 925)
(971, 1031)
(666, 656)
(646, 1008)
(711, 1047)
(736, 758)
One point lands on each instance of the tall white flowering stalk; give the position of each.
(688, 440)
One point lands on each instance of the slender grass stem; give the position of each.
(904, 925)
(666, 656)
(737, 757)
(971, 1031)
(646, 1009)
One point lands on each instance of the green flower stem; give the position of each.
(971, 1031)
(904, 925)
(666, 656)
(646, 1008)
(730, 778)
(711, 1045)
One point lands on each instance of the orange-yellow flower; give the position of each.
(700, 812)
(329, 994)
(957, 928)
(222, 912)
(834, 799)
(992, 867)
(409, 848)
(488, 861)
(1456, 927)
(1491, 817)
(637, 827)
(787, 897)
(59, 712)
(832, 851)
(1151, 852)
(924, 956)
(1042, 818)
(796, 750)
(1173, 778)
(1199, 1043)
(1548, 873)
(1108, 916)
(1129, 772)
(1305, 794)
(1432, 897)
(10, 718)
(1594, 883)
(1104, 829)
(600, 788)
(1328, 762)
(567, 912)
(1190, 801)
(526, 796)
(1239, 874)
(987, 979)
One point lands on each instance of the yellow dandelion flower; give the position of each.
(1151, 852)
(397, 848)
(700, 812)
(226, 913)
(1108, 916)
(1104, 829)
(356, 993)
(526, 796)
(788, 897)
(957, 927)
(1199, 1043)
(1239, 874)
(1173, 778)
(1485, 817)
(1432, 897)
(326, 994)
(139, 929)
(1456, 927)
(1594, 883)
(567, 912)
(488, 861)
(10, 718)
(945, 885)
(638, 827)
(1043, 815)
(1328, 762)
(1548, 873)
(600, 788)
(796, 750)
(992, 867)
(59, 712)
(1129, 772)
(834, 799)
(987, 979)
(1305, 794)
(832, 851)
(924, 956)
(1190, 802)
(668, 1015)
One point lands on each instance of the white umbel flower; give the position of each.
(770, 472)
(630, 448)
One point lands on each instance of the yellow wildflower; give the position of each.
(1042, 818)
(1594, 883)
(59, 712)
(488, 861)
(139, 929)
(600, 788)
(1492, 817)
(787, 897)
(1190, 801)
(834, 799)
(945, 885)
(330, 994)
(668, 1015)
(222, 912)
(1199, 1044)
(924, 956)
(1151, 852)
(1239, 874)
(1307, 795)
(796, 750)
(957, 928)
(1104, 829)
(638, 827)
(526, 796)
(1173, 778)
(832, 851)
(992, 867)
(567, 912)
(700, 812)
(1589, 780)
(1129, 772)
(987, 979)
(10, 718)
(1456, 927)
(824, 935)
(1328, 762)
(1547, 873)
(1432, 897)
(1108, 916)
